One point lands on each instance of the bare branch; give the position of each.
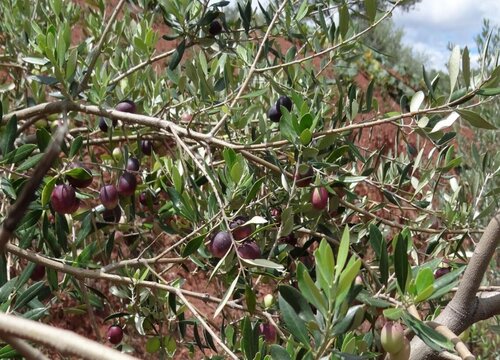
(22, 347)
(466, 308)
(67, 342)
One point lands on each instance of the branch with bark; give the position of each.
(466, 306)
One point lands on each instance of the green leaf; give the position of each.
(401, 264)
(454, 67)
(9, 135)
(278, 353)
(192, 246)
(447, 122)
(30, 162)
(343, 20)
(294, 323)
(347, 278)
(343, 252)
(393, 314)
(28, 295)
(75, 146)
(424, 279)
(47, 191)
(310, 291)
(264, 263)
(287, 221)
(36, 61)
(153, 344)
(325, 265)
(250, 299)
(43, 138)
(302, 12)
(371, 9)
(489, 91)
(249, 339)
(429, 336)
(416, 101)
(306, 137)
(466, 67)
(475, 119)
(254, 190)
(177, 55)
(79, 174)
(226, 297)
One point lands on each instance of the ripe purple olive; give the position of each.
(114, 334)
(79, 182)
(220, 244)
(38, 273)
(63, 199)
(146, 147)
(215, 28)
(112, 215)
(441, 272)
(391, 337)
(284, 101)
(274, 114)
(275, 214)
(268, 332)
(239, 231)
(404, 353)
(104, 126)
(127, 183)
(303, 179)
(126, 106)
(249, 250)
(118, 236)
(319, 198)
(133, 164)
(109, 196)
(289, 239)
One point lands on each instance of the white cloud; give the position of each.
(432, 24)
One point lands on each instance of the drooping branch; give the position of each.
(22, 347)
(466, 307)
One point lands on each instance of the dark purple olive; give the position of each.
(274, 114)
(249, 250)
(115, 334)
(441, 272)
(133, 164)
(268, 332)
(240, 232)
(109, 196)
(289, 239)
(127, 183)
(104, 126)
(112, 215)
(83, 180)
(220, 244)
(63, 199)
(319, 198)
(146, 147)
(38, 273)
(127, 106)
(215, 28)
(284, 101)
(303, 179)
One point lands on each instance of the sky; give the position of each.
(431, 24)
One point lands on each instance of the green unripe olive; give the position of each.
(117, 154)
(268, 300)
(404, 353)
(391, 337)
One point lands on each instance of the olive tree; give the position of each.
(213, 184)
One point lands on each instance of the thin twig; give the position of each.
(205, 325)
(97, 50)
